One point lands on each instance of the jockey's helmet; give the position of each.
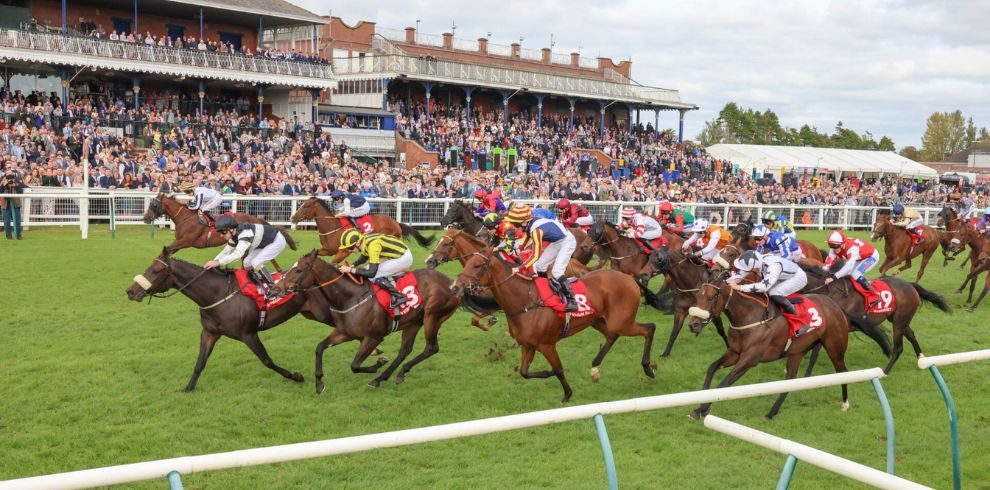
(700, 226)
(520, 213)
(758, 231)
(898, 208)
(563, 203)
(224, 222)
(491, 220)
(835, 239)
(350, 238)
(187, 187)
(748, 261)
(666, 207)
(627, 213)
(768, 217)
(480, 193)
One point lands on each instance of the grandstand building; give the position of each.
(130, 51)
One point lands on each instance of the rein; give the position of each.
(179, 290)
(321, 287)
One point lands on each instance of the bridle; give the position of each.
(168, 267)
(472, 281)
(447, 258)
(321, 287)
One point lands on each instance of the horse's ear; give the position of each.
(164, 251)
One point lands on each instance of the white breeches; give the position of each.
(360, 210)
(711, 254)
(391, 267)
(789, 286)
(257, 258)
(584, 221)
(212, 203)
(559, 254)
(916, 223)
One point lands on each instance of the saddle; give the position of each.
(880, 300)
(555, 300)
(405, 284)
(250, 289)
(205, 218)
(649, 246)
(808, 315)
(364, 224)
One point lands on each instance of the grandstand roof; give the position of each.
(761, 157)
(277, 12)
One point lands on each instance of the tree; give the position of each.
(887, 144)
(911, 153)
(945, 135)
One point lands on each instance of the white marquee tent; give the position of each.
(839, 162)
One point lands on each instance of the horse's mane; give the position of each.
(883, 212)
(471, 237)
(325, 205)
(813, 270)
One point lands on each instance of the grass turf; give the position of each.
(92, 379)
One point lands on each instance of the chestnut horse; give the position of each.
(897, 247)
(356, 314)
(741, 238)
(329, 226)
(759, 333)
(223, 310)
(613, 295)
(189, 232)
(953, 238)
(977, 245)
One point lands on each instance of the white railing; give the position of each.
(429, 40)
(499, 50)
(531, 54)
(58, 206)
(560, 59)
(588, 63)
(466, 45)
(398, 35)
(122, 50)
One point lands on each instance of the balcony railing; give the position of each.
(122, 50)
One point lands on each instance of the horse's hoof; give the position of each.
(492, 321)
(374, 383)
(400, 378)
(845, 406)
(297, 377)
(696, 415)
(596, 374)
(188, 389)
(768, 417)
(650, 370)
(970, 310)
(566, 398)
(382, 361)
(665, 354)
(376, 352)
(320, 387)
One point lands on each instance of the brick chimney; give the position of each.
(448, 40)
(625, 68)
(515, 50)
(545, 55)
(410, 35)
(575, 59)
(482, 45)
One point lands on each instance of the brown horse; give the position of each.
(897, 247)
(189, 232)
(977, 245)
(741, 238)
(330, 228)
(953, 239)
(759, 333)
(459, 245)
(907, 298)
(612, 294)
(223, 310)
(356, 313)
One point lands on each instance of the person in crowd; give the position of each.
(10, 183)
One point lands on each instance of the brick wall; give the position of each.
(415, 154)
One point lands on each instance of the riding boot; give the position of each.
(266, 278)
(398, 299)
(801, 331)
(562, 285)
(784, 304)
(863, 281)
(202, 218)
(921, 237)
(354, 222)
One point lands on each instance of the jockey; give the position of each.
(781, 278)
(488, 202)
(640, 226)
(711, 238)
(776, 243)
(983, 225)
(860, 257)
(386, 256)
(675, 220)
(351, 206)
(773, 222)
(544, 213)
(574, 215)
(966, 209)
(561, 245)
(261, 243)
(205, 198)
(910, 220)
(502, 231)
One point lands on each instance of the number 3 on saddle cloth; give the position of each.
(552, 300)
(364, 223)
(407, 285)
(807, 314)
(250, 289)
(882, 298)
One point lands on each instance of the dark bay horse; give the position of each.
(189, 232)
(329, 226)
(357, 315)
(223, 310)
(907, 298)
(461, 215)
(953, 239)
(897, 247)
(759, 333)
(741, 238)
(977, 248)
(613, 295)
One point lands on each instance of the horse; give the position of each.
(223, 310)
(626, 256)
(189, 232)
(741, 238)
(977, 243)
(612, 294)
(683, 275)
(330, 228)
(356, 313)
(952, 239)
(897, 247)
(461, 215)
(759, 333)
(907, 298)
(459, 245)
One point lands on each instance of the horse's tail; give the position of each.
(424, 241)
(931, 297)
(288, 239)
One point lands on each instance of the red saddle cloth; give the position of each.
(882, 297)
(407, 285)
(807, 314)
(656, 242)
(365, 224)
(250, 289)
(919, 236)
(552, 300)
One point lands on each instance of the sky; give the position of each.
(877, 66)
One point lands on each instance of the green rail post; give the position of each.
(613, 480)
(953, 427)
(888, 418)
(174, 480)
(787, 473)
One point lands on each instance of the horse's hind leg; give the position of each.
(430, 331)
(874, 332)
(924, 263)
(836, 342)
(646, 362)
(549, 351)
(336, 337)
(408, 339)
(254, 343)
(983, 294)
(610, 338)
(207, 340)
(368, 345)
(679, 314)
(793, 363)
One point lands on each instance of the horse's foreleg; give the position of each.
(528, 352)
(549, 351)
(368, 345)
(793, 363)
(647, 363)
(339, 256)
(336, 337)
(720, 329)
(887, 264)
(610, 338)
(924, 263)
(742, 365)
(408, 339)
(207, 340)
(254, 343)
(679, 315)
(431, 328)
(874, 332)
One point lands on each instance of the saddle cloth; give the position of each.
(555, 302)
(407, 285)
(365, 224)
(882, 297)
(807, 314)
(250, 289)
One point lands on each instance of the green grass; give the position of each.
(91, 379)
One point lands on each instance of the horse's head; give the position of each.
(455, 215)
(301, 276)
(709, 302)
(945, 216)
(881, 226)
(308, 210)
(725, 258)
(444, 251)
(476, 270)
(155, 209)
(658, 263)
(155, 279)
(740, 232)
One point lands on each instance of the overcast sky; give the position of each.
(878, 66)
